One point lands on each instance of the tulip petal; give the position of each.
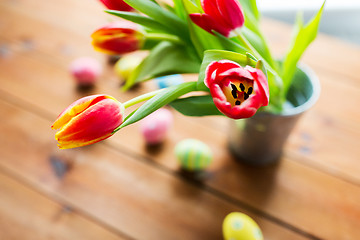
(76, 108)
(208, 23)
(237, 92)
(210, 7)
(231, 12)
(94, 124)
(119, 5)
(217, 68)
(236, 72)
(222, 16)
(118, 38)
(261, 82)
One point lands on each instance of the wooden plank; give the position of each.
(55, 39)
(327, 136)
(323, 115)
(26, 214)
(123, 193)
(278, 190)
(222, 180)
(340, 124)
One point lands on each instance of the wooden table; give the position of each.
(118, 189)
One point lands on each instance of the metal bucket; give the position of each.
(259, 140)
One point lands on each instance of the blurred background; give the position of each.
(341, 18)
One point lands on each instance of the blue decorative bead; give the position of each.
(168, 81)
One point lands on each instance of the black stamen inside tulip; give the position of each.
(246, 96)
(233, 87)
(234, 91)
(237, 102)
(242, 87)
(250, 90)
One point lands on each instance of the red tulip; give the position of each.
(223, 16)
(87, 121)
(237, 92)
(119, 5)
(118, 38)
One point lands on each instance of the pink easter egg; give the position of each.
(85, 70)
(154, 127)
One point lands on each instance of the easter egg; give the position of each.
(85, 70)
(193, 155)
(168, 81)
(154, 127)
(126, 65)
(239, 226)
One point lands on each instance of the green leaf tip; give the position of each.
(303, 37)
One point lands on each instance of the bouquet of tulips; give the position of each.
(218, 39)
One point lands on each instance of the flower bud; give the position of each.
(118, 38)
(87, 121)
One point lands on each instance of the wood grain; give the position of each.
(185, 128)
(119, 191)
(26, 214)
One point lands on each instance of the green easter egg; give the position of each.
(239, 226)
(193, 155)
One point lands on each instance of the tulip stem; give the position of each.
(163, 37)
(248, 45)
(141, 98)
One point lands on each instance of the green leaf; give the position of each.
(303, 36)
(216, 55)
(230, 45)
(128, 116)
(260, 65)
(196, 106)
(201, 39)
(253, 33)
(141, 19)
(161, 15)
(164, 59)
(180, 9)
(250, 9)
(191, 7)
(258, 43)
(164, 97)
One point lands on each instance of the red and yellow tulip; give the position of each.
(118, 38)
(87, 121)
(237, 92)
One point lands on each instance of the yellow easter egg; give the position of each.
(126, 65)
(239, 226)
